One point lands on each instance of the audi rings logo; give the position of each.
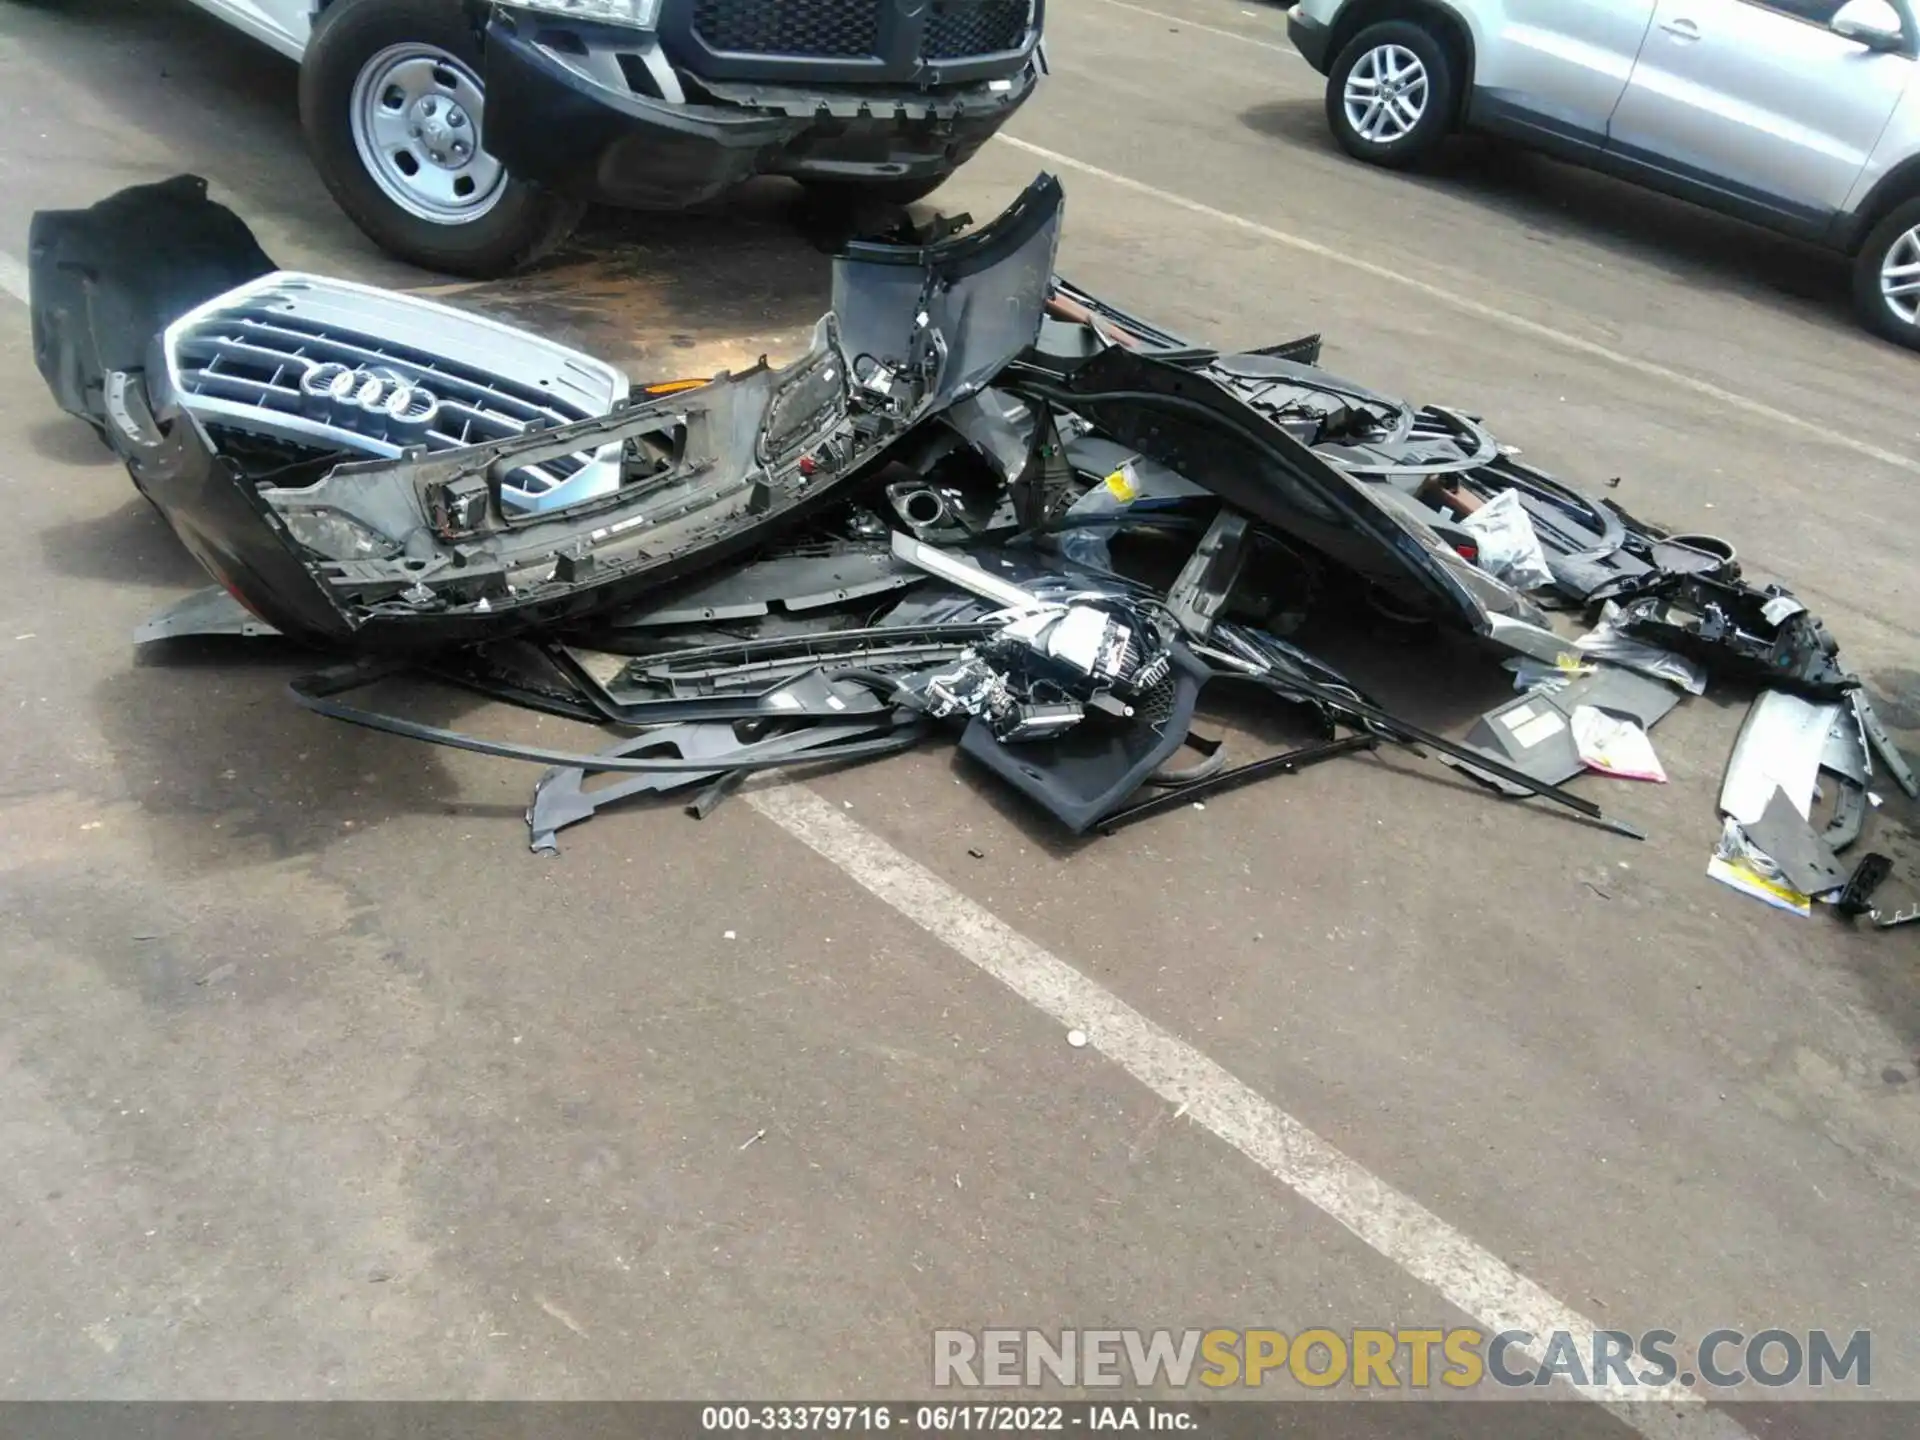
(381, 394)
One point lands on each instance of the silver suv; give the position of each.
(1800, 115)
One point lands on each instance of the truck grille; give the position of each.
(959, 28)
(331, 365)
(817, 29)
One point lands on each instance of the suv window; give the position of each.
(1819, 12)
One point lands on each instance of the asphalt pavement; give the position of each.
(315, 1083)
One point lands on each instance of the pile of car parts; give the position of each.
(1790, 750)
(924, 525)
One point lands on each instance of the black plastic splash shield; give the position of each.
(106, 280)
(1177, 414)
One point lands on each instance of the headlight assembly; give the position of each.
(636, 14)
(336, 535)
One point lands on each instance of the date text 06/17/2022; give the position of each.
(948, 1419)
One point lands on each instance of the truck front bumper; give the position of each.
(557, 116)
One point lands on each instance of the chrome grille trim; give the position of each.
(328, 363)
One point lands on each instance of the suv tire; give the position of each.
(381, 71)
(1892, 246)
(1390, 94)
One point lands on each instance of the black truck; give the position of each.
(468, 136)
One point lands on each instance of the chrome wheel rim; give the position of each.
(1386, 94)
(416, 114)
(1900, 277)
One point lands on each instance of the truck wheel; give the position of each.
(1886, 277)
(1390, 95)
(391, 100)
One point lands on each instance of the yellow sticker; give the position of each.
(1121, 484)
(1742, 876)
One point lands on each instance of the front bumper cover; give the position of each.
(710, 471)
(557, 116)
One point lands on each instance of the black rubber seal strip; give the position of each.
(315, 692)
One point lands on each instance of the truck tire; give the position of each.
(391, 100)
(1390, 95)
(1888, 264)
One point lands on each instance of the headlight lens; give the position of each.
(639, 14)
(337, 535)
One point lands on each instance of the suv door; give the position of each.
(1556, 66)
(1759, 105)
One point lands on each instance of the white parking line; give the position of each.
(1468, 1276)
(13, 277)
(1732, 399)
(1188, 24)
